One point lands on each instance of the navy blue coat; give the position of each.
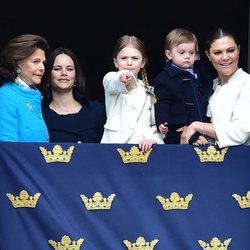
(181, 98)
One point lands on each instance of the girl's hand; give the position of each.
(125, 78)
(146, 144)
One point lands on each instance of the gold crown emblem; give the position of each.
(66, 244)
(215, 244)
(140, 244)
(134, 155)
(244, 201)
(211, 155)
(175, 201)
(98, 202)
(57, 154)
(24, 199)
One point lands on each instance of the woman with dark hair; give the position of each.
(21, 70)
(229, 105)
(69, 115)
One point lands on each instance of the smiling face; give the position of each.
(224, 55)
(130, 59)
(63, 73)
(32, 68)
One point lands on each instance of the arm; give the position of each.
(8, 118)
(206, 129)
(121, 82)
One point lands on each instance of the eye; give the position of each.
(56, 68)
(217, 53)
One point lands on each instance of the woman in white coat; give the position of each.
(229, 105)
(129, 101)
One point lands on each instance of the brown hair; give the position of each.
(16, 49)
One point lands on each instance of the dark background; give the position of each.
(91, 28)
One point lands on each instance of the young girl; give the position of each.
(182, 87)
(129, 101)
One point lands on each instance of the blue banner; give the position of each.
(42, 203)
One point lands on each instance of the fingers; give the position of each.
(145, 145)
(163, 128)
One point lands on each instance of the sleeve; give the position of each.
(156, 135)
(113, 85)
(8, 118)
(236, 131)
(162, 106)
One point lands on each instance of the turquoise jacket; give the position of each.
(21, 117)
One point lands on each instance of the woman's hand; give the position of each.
(146, 144)
(188, 131)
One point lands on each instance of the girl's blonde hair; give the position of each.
(134, 41)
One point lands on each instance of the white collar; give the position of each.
(21, 83)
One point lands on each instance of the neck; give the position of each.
(64, 104)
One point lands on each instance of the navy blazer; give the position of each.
(181, 97)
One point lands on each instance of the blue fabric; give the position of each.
(213, 212)
(21, 117)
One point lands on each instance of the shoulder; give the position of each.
(96, 106)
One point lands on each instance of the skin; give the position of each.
(224, 56)
(63, 76)
(32, 68)
(184, 56)
(131, 59)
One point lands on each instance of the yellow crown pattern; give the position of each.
(211, 155)
(98, 202)
(215, 244)
(66, 244)
(57, 154)
(134, 155)
(24, 199)
(175, 201)
(140, 244)
(244, 201)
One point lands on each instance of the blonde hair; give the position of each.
(178, 36)
(134, 41)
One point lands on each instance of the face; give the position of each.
(32, 67)
(182, 55)
(130, 59)
(63, 73)
(224, 55)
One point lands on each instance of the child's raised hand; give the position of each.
(125, 78)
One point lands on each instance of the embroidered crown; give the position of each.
(24, 199)
(244, 201)
(98, 202)
(175, 201)
(57, 154)
(211, 155)
(215, 244)
(134, 155)
(140, 244)
(66, 244)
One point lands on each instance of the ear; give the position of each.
(143, 63)
(115, 62)
(208, 56)
(168, 54)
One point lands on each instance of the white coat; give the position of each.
(229, 108)
(130, 111)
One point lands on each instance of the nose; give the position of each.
(64, 72)
(129, 62)
(225, 56)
